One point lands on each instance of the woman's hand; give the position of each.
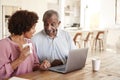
(45, 65)
(25, 52)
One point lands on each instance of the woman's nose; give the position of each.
(34, 31)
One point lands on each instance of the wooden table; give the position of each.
(110, 70)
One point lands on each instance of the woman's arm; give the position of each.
(6, 66)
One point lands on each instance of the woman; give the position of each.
(14, 58)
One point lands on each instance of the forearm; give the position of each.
(16, 63)
(36, 67)
(6, 70)
(19, 60)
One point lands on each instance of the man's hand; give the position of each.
(56, 62)
(45, 65)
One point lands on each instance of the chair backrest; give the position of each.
(76, 36)
(88, 36)
(99, 33)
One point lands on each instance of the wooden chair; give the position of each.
(99, 38)
(76, 40)
(87, 38)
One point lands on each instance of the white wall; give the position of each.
(113, 38)
(38, 6)
(107, 17)
(9, 3)
(107, 13)
(82, 15)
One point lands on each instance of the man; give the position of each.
(52, 44)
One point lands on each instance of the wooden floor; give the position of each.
(109, 70)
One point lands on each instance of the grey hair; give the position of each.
(49, 13)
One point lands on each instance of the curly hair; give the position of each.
(22, 21)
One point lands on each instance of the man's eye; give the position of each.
(53, 25)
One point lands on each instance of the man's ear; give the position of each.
(59, 22)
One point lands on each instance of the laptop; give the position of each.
(76, 60)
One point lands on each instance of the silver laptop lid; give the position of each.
(76, 59)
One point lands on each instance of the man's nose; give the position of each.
(49, 27)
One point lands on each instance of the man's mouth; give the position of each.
(51, 31)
